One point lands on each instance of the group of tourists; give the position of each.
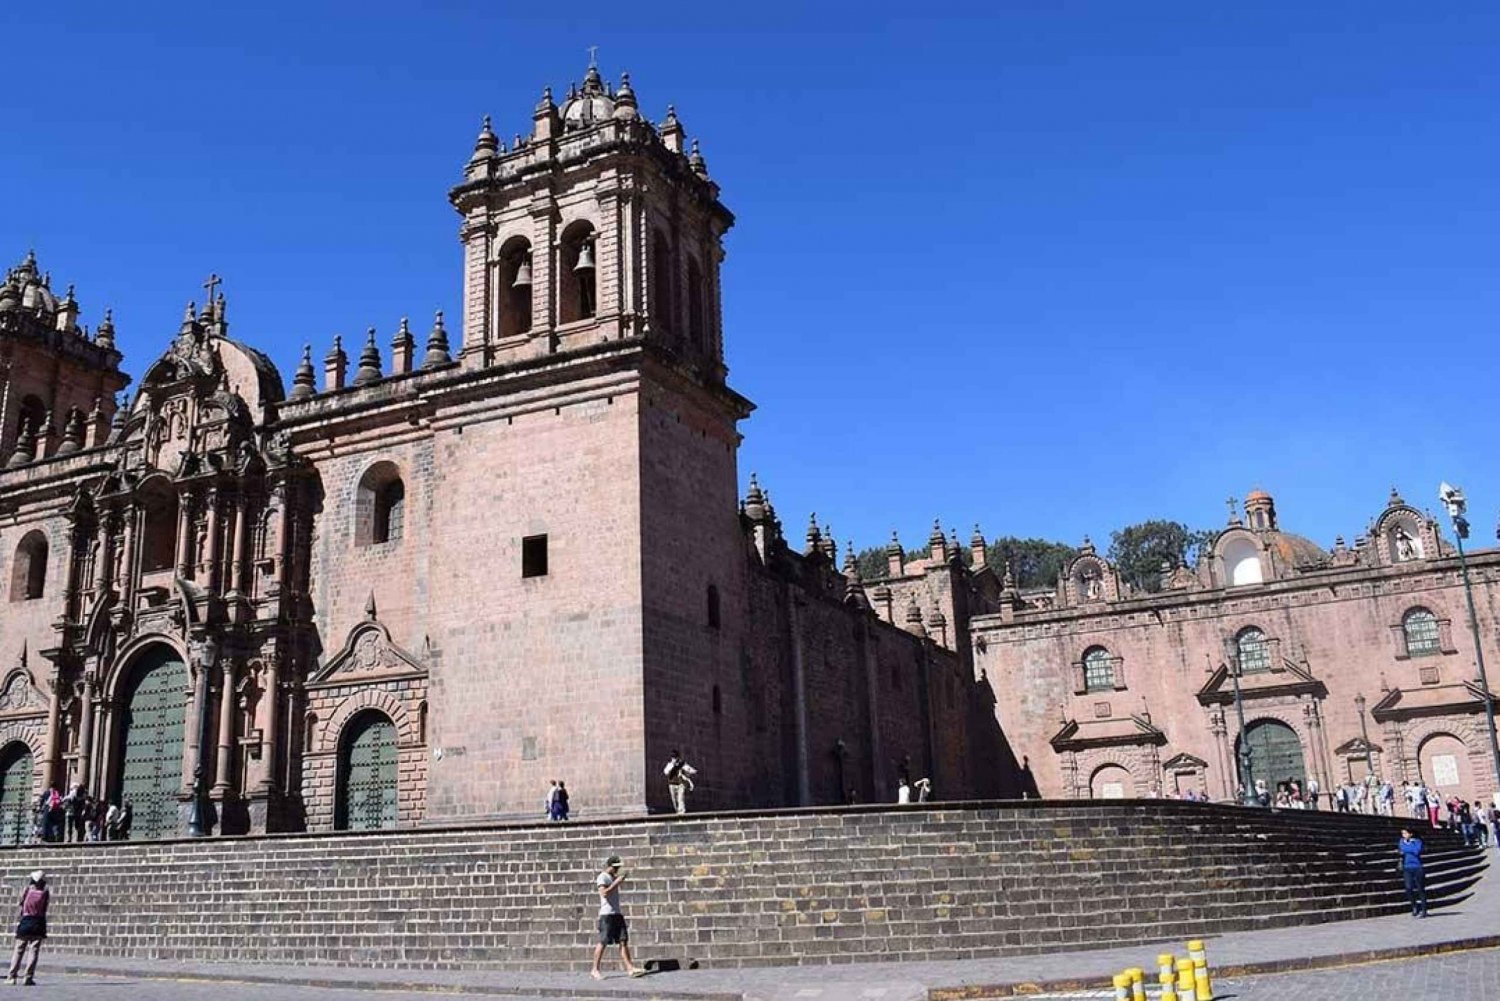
(78, 815)
(556, 805)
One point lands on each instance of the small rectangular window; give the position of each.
(534, 556)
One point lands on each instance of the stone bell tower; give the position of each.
(596, 226)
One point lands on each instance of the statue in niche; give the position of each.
(1406, 548)
(1093, 586)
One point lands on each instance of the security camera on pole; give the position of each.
(1453, 499)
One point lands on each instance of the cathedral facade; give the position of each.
(420, 584)
(421, 587)
(1272, 660)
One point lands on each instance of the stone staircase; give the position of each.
(937, 881)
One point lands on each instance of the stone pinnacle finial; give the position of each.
(437, 344)
(72, 433)
(851, 565)
(369, 361)
(486, 145)
(25, 446)
(104, 336)
(305, 381)
(696, 161)
(370, 607)
(814, 537)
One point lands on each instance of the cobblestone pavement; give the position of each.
(1456, 976)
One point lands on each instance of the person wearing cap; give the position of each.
(612, 929)
(32, 927)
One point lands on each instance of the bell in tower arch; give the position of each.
(523, 274)
(585, 257)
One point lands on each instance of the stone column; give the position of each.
(239, 577)
(269, 733)
(226, 731)
(54, 730)
(212, 574)
(204, 655)
(86, 731)
(184, 534)
(1229, 778)
(104, 573)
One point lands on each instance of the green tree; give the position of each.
(1138, 551)
(1033, 562)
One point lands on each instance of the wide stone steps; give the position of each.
(780, 887)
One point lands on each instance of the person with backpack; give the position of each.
(31, 929)
(679, 780)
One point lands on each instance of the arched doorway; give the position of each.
(367, 774)
(15, 793)
(153, 718)
(1444, 763)
(1111, 782)
(1275, 753)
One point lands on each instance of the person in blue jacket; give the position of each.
(1412, 872)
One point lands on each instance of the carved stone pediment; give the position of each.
(19, 695)
(369, 654)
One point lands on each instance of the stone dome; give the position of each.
(590, 104)
(1297, 550)
(25, 287)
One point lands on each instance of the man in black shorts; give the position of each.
(612, 930)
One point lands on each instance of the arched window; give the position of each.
(159, 538)
(1098, 670)
(1254, 651)
(575, 285)
(697, 321)
(390, 512)
(713, 606)
(1421, 629)
(29, 574)
(513, 295)
(380, 506)
(661, 283)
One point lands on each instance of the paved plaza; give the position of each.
(1456, 975)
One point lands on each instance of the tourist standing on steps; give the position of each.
(612, 928)
(562, 801)
(1412, 872)
(31, 928)
(549, 804)
(679, 780)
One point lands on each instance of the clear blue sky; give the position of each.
(1052, 267)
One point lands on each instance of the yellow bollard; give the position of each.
(1122, 987)
(1167, 964)
(1137, 984)
(1168, 978)
(1201, 981)
(1185, 979)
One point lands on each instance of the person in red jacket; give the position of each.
(32, 928)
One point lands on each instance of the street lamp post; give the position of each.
(1242, 743)
(1453, 499)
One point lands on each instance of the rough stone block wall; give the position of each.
(943, 882)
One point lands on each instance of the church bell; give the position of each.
(585, 257)
(523, 273)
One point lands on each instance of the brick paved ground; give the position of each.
(1459, 975)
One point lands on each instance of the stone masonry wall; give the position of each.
(873, 883)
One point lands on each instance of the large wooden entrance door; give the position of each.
(367, 774)
(15, 794)
(1275, 753)
(155, 715)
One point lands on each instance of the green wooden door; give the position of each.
(1275, 753)
(15, 794)
(367, 775)
(155, 716)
